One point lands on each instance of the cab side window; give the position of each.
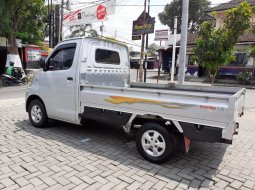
(107, 57)
(62, 58)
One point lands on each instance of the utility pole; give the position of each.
(184, 32)
(57, 25)
(53, 28)
(50, 23)
(102, 29)
(49, 20)
(174, 47)
(62, 19)
(146, 47)
(142, 48)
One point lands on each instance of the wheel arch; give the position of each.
(31, 98)
(167, 123)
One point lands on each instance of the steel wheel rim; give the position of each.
(36, 113)
(153, 143)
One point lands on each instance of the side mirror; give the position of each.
(43, 64)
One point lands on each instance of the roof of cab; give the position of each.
(104, 39)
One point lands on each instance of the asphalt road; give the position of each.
(12, 96)
(12, 92)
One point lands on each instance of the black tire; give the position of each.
(165, 136)
(36, 122)
(5, 82)
(25, 81)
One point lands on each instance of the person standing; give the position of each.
(10, 69)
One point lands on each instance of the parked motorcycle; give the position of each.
(20, 78)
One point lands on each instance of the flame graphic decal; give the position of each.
(128, 100)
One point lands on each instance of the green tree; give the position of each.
(197, 13)
(152, 49)
(215, 47)
(21, 19)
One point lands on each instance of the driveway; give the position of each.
(65, 156)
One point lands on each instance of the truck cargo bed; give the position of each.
(209, 106)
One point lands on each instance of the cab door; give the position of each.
(57, 83)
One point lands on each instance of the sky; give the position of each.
(120, 23)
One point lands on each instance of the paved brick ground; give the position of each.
(65, 156)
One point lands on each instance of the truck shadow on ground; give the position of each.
(109, 145)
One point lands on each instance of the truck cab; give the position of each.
(74, 62)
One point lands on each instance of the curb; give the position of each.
(251, 87)
(221, 84)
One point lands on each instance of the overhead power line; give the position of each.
(76, 2)
(138, 5)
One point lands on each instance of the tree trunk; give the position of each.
(12, 45)
(213, 76)
(12, 51)
(212, 80)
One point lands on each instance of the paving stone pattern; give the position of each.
(65, 156)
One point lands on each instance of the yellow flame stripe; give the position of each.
(128, 100)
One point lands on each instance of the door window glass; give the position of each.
(62, 59)
(107, 57)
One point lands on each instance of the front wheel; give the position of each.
(155, 143)
(37, 114)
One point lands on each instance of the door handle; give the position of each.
(70, 78)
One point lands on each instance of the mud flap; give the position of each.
(186, 144)
(183, 143)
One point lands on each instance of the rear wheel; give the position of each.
(155, 143)
(37, 114)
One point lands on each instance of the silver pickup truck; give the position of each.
(89, 79)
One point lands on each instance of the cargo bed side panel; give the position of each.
(187, 107)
